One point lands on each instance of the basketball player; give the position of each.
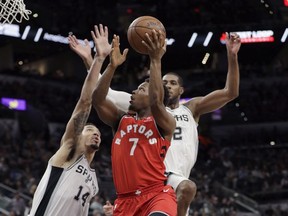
(69, 183)
(140, 141)
(185, 140)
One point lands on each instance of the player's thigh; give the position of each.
(164, 203)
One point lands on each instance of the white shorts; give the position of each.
(174, 180)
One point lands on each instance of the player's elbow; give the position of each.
(233, 94)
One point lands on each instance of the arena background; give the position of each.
(242, 167)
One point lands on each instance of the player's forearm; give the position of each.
(233, 75)
(103, 84)
(156, 91)
(91, 79)
(88, 60)
(119, 98)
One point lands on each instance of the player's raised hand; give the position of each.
(83, 50)
(233, 43)
(100, 38)
(116, 57)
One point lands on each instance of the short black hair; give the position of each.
(180, 80)
(166, 93)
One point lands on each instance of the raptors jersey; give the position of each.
(138, 152)
(182, 154)
(65, 191)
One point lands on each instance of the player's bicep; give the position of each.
(120, 99)
(209, 103)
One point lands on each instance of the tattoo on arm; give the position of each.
(80, 121)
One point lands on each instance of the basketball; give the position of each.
(137, 30)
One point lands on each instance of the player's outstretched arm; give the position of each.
(107, 110)
(82, 109)
(218, 98)
(156, 47)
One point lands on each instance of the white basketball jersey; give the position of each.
(65, 191)
(182, 154)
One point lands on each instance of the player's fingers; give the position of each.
(93, 35)
(101, 30)
(165, 45)
(70, 38)
(155, 35)
(108, 203)
(161, 38)
(86, 42)
(227, 35)
(96, 29)
(145, 44)
(74, 38)
(148, 42)
(106, 31)
(114, 41)
(71, 43)
(125, 52)
(118, 39)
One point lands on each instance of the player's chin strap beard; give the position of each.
(95, 147)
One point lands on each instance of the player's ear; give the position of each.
(181, 90)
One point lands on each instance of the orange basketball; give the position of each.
(138, 28)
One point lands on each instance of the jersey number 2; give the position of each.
(177, 135)
(84, 196)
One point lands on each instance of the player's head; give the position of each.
(91, 137)
(174, 84)
(140, 97)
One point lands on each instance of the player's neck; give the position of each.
(143, 114)
(89, 156)
(173, 105)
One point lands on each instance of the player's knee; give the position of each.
(186, 190)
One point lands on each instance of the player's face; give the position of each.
(140, 97)
(172, 83)
(92, 136)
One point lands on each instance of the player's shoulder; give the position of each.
(192, 103)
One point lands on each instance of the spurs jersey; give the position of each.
(182, 154)
(65, 191)
(138, 152)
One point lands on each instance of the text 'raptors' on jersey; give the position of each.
(138, 152)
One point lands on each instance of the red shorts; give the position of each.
(142, 203)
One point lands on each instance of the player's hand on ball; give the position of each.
(116, 58)
(156, 44)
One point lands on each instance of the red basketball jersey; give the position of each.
(138, 152)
